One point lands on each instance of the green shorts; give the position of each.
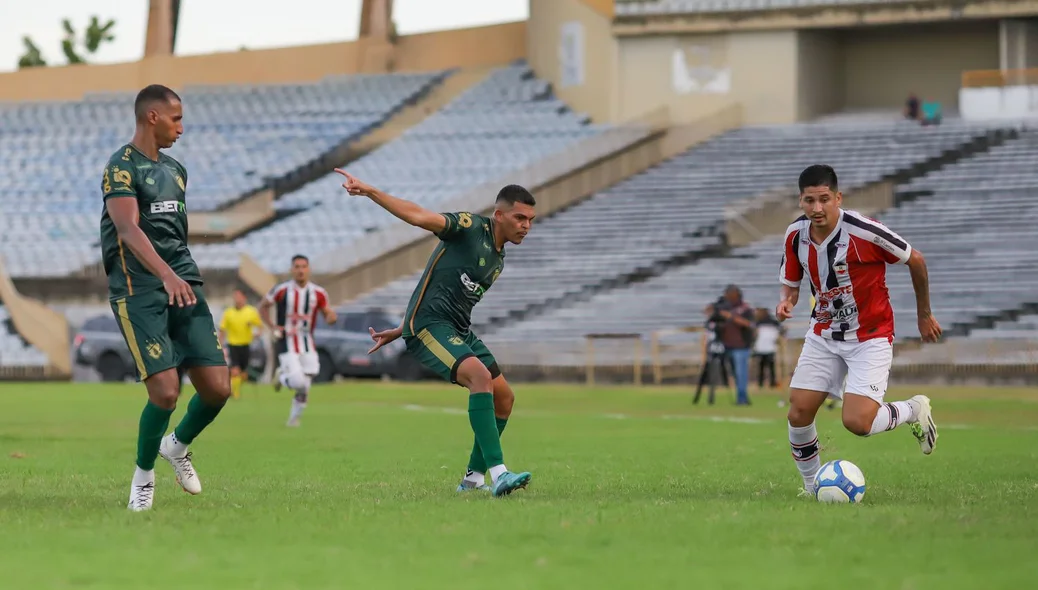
(162, 337)
(441, 349)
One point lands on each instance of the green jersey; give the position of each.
(159, 189)
(461, 269)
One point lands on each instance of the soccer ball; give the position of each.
(839, 482)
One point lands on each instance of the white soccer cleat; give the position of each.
(141, 496)
(292, 423)
(186, 476)
(923, 427)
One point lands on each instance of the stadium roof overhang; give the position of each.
(814, 17)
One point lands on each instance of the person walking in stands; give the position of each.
(737, 335)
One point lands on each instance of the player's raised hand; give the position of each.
(784, 310)
(929, 329)
(352, 184)
(180, 293)
(383, 338)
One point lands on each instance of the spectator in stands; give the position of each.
(912, 107)
(765, 346)
(737, 335)
(714, 371)
(931, 113)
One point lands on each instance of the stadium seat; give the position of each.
(238, 138)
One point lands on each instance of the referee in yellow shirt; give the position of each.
(236, 333)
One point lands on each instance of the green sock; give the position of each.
(199, 415)
(481, 417)
(154, 421)
(476, 462)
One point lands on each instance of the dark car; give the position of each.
(99, 344)
(343, 348)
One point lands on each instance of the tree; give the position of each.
(32, 57)
(72, 45)
(95, 35)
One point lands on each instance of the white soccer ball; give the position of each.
(840, 482)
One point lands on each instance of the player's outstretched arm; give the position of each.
(125, 212)
(412, 213)
(264, 312)
(929, 329)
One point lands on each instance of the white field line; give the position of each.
(719, 419)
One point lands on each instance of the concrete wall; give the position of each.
(821, 77)
(482, 46)
(781, 76)
(593, 92)
(884, 64)
(695, 74)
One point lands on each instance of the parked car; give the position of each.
(99, 344)
(343, 348)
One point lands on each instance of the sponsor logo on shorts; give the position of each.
(154, 350)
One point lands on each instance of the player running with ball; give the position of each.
(463, 266)
(844, 255)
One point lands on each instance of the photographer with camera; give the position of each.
(737, 335)
(714, 363)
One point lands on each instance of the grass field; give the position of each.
(632, 488)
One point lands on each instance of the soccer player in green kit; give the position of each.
(464, 265)
(156, 292)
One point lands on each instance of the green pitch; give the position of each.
(633, 488)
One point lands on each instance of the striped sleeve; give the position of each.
(277, 293)
(790, 271)
(889, 247)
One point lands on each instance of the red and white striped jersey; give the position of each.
(848, 275)
(297, 308)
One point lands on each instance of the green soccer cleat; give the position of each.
(510, 482)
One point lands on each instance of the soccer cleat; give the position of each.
(467, 485)
(923, 427)
(186, 476)
(807, 493)
(510, 482)
(292, 423)
(277, 379)
(141, 497)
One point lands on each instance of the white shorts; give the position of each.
(825, 364)
(306, 363)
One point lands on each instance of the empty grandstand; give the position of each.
(238, 139)
(676, 212)
(502, 124)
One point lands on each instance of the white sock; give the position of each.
(476, 478)
(803, 440)
(297, 409)
(177, 448)
(892, 415)
(496, 471)
(141, 477)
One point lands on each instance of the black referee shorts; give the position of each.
(239, 356)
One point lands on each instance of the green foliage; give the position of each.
(32, 57)
(73, 45)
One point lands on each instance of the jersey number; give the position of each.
(465, 220)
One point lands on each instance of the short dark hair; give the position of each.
(513, 194)
(149, 95)
(819, 175)
(300, 257)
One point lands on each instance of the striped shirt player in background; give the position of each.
(844, 256)
(297, 302)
